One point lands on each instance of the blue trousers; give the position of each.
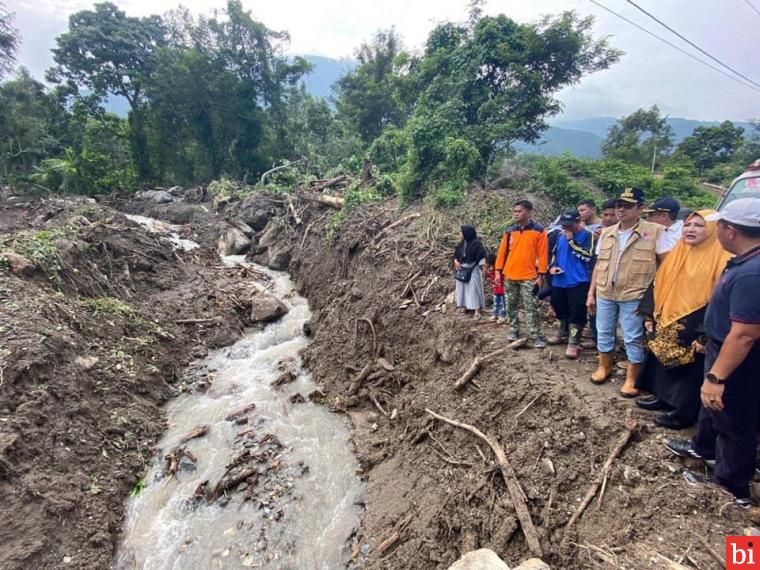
(632, 323)
(499, 306)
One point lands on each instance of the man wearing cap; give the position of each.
(625, 267)
(727, 430)
(664, 211)
(571, 276)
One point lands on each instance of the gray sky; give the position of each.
(649, 73)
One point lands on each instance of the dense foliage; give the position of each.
(215, 99)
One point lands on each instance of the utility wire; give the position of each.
(692, 44)
(663, 40)
(753, 7)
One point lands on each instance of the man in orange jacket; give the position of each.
(523, 260)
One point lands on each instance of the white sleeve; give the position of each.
(666, 242)
(598, 246)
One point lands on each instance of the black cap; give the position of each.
(569, 217)
(666, 204)
(632, 195)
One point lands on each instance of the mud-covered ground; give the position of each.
(433, 491)
(98, 318)
(89, 356)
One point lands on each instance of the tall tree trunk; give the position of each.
(139, 141)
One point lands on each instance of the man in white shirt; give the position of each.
(665, 212)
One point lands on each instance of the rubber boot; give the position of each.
(573, 343)
(631, 375)
(603, 372)
(560, 336)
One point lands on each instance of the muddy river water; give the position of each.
(300, 518)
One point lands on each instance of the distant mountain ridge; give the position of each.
(584, 137)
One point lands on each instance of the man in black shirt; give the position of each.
(727, 432)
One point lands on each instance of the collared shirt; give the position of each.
(669, 238)
(736, 296)
(594, 225)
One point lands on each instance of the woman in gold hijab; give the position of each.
(682, 288)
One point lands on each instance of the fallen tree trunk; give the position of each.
(510, 478)
(324, 199)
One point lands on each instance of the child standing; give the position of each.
(497, 288)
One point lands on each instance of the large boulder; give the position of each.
(270, 236)
(256, 210)
(533, 564)
(266, 308)
(233, 241)
(18, 264)
(278, 259)
(157, 196)
(483, 559)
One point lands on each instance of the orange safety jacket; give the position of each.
(523, 252)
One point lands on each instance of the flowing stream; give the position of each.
(305, 505)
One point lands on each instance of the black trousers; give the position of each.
(730, 436)
(570, 304)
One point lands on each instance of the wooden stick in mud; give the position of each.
(706, 545)
(479, 361)
(200, 431)
(395, 224)
(359, 379)
(622, 441)
(510, 478)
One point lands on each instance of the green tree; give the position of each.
(108, 52)
(9, 41)
(708, 146)
(370, 98)
(25, 131)
(643, 137)
(488, 85)
(220, 93)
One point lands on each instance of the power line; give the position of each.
(692, 44)
(753, 7)
(683, 51)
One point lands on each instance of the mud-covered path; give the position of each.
(378, 295)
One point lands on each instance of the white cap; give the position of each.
(742, 212)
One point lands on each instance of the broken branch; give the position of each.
(623, 440)
(510, 478)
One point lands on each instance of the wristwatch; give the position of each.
(713, 379)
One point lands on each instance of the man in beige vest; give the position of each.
(625, 267)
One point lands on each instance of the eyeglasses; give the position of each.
(625, 205)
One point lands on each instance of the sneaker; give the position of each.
(683, 448)
(538, 343)
(492, 319)
(572, 351)
(512, 335)
(557, 338)
(653, 404)
(589, 344)
(672, 420)
(743, 503)
(697, 479)
(500, 320)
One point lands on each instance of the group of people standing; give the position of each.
(683, 289)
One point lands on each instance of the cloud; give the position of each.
(649, 73)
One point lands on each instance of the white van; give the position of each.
(746, 186)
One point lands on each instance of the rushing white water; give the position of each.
(309, 526)
(170, 231)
